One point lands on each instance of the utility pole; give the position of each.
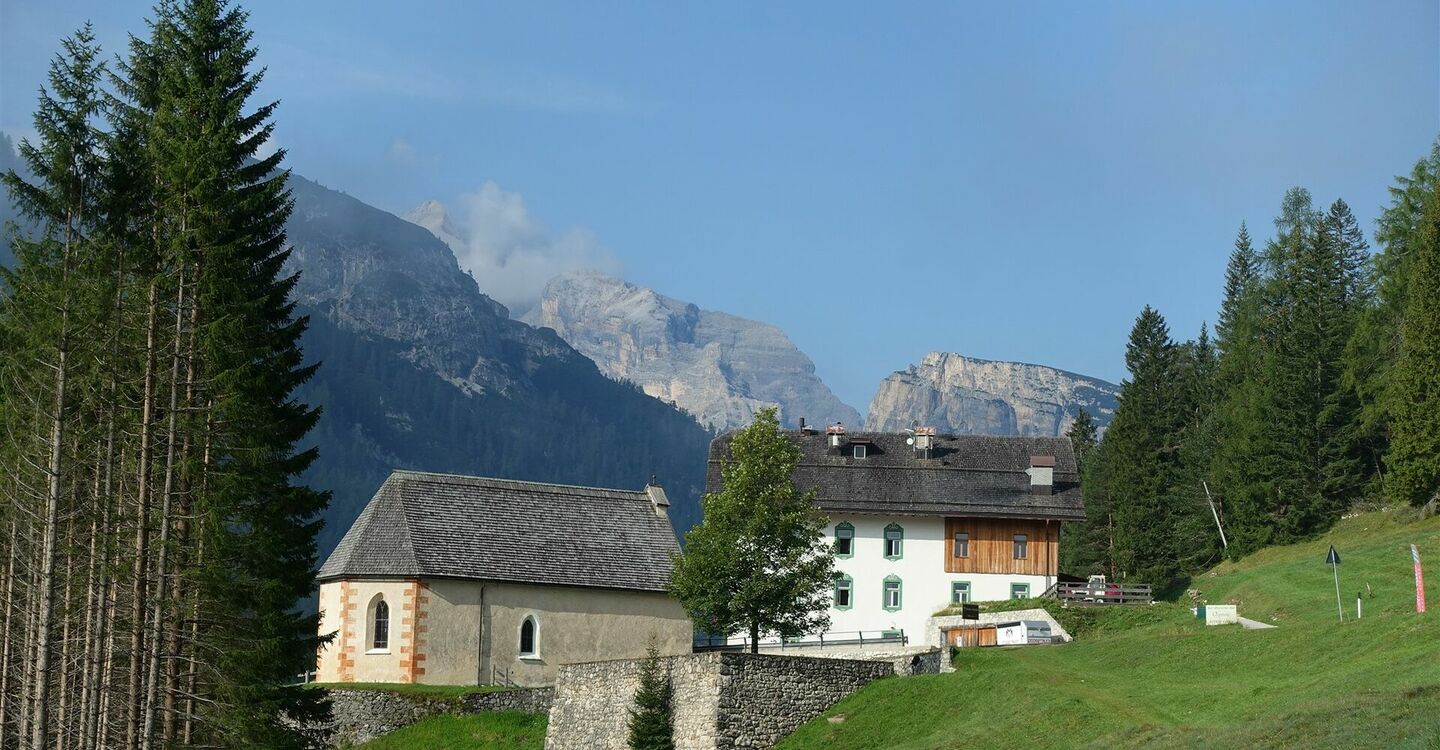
(1215, 515)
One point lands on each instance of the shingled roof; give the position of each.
(442, 525)
(965, 475)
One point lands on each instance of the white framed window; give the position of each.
(962, 544)
(529, 637)
(379, 624)
(844, 592)
(894, 542)
(858, 451)
(844, 539)
(1022, 546)
(891, 594)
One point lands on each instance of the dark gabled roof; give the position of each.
(965, 475)
(441, 525)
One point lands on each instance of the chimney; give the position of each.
(924, 441)
(1042, 475)
(836, 434)
(656, 493)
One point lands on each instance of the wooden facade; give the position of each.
(971, 637)
(992, 546)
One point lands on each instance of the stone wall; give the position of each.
(358, 716)
(932, 659)
(763, 698)
(721, 700)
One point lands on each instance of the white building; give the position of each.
(920, 521)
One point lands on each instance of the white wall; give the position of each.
(925, 584)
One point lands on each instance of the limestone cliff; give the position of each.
(719, 367)
(975, 396)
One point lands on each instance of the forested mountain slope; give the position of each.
(420, 370)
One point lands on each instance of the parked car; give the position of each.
(1097, 589)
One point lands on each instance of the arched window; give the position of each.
(894, 542)
(844, 592)
(844, 539)
(891, 594)
(380, 625)
(528, 636)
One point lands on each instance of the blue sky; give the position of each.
(1004, 180)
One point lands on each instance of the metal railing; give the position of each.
(823, 640)
(1085, 595)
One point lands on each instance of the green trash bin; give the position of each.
(1200, 611)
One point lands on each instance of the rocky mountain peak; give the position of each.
(963, 394)
(432, 215)
(719, 367)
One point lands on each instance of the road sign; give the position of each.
(1333, 560)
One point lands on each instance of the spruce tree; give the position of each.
(1301, 457)
(757, 563)
(1083, 434)
(46, 314)
(1414, 457)
(652, 721)
(1141, 455)
(223, 209)
(1085, 548)
(1374, 349)
(1234, 429)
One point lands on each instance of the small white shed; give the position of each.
(1023, 632)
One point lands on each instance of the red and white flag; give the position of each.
(1419, 580)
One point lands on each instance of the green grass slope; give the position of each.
(1168, 681)
(501, 730)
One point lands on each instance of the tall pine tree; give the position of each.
(1141, 452)
(1414, 457)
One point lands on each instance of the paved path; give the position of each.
(1250, 624)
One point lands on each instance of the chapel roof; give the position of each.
(442, 525)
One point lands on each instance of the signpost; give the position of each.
(1419, 580)
(1333, 560)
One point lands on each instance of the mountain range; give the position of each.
(603, 382)
(721, 368)
(960, 394)
(423, 371)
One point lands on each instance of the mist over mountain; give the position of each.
(510, 253)
(719, 367)
(9, 160)
(421, 370)
(966, 395)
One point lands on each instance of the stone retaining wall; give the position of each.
(721, 700)
(358, 716)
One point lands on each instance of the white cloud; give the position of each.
(511, 253)
(401, 152)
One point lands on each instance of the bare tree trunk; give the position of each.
(162, 571)
(62, 714)
(142, 531)
(44, 642)
(182, 526)
(5, 651)
(187, 731)
(92, 613)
